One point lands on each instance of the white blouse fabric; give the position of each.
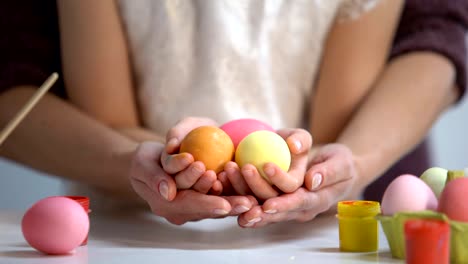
(229, 59)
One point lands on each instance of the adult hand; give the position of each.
(159, 190)
(248, 180)
(188, 174)
(329, 179)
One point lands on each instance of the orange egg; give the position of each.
(210, 145)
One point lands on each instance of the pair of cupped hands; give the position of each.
(180, 189)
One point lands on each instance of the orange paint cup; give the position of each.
(427, 241)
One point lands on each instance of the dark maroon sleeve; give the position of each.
(29, 43)
(435, 25)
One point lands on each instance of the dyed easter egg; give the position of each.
(55, 225)
(453, 200)
(435, 177)
(238, 129)
(210, 145)
(408, 193)
(261, 147)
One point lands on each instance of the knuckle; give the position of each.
(182, 183)
(176, 220)
(157, 211)
(140, 153)
(292, 186)
(300, 218)
(305, 216)
(324, 207)
(325, 203)
(189, 119)
(304, 136)
(307, 201)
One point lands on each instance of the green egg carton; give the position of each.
(458, 242)
(393, 227)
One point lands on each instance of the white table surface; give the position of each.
(143, 238)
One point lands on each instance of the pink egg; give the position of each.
(408, 193)
(55, 225)
(238, 129)
(453, 200)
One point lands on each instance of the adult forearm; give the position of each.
(412, 92)
(57, 138)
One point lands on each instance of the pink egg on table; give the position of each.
(453, 200)
(408, 193)
(55, 225)
(238, 129)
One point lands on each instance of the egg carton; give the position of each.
(393, 227)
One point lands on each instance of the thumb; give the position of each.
(165, 186)
(321, 174)
(152, 174)
(315, 177)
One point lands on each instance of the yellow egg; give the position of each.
(210, 145)
(261, 147)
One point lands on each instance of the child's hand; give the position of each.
(188, 174)
(158, 189)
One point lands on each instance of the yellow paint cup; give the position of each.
(358, 227)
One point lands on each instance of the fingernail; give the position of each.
(298, 145)
(255, 220)
(271, 211)
(316, 180)
(164, 189)
(240, 209)
(172, 142)
(220, 212)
